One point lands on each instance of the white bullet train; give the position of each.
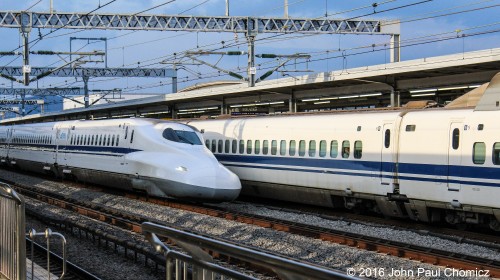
(159, 157)
(429, 165)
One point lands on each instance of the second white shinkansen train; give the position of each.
(429, 165)
(159, 157)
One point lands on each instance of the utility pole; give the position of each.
(86, 91)
(251, 60)
(227, 8)
(286, 8)
(25, 31)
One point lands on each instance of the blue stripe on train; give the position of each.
(352, 168)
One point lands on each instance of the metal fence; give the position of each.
(12, 234)
(200, 265)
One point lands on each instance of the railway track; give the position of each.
(73, 271)
(399, 249)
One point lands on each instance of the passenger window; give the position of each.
(113, 141)
(109, 139)
(265, 147)
(312, 148)
(257, 147)
(100, 140)
(92, 141)
(219, 146)
(132, 136)
(282, 147)
(456, 138)
(322, 148)
(346, 149)
(334, 148)
(226, 146)
(302, 148)
(358, 149)
(242, 146)
(479, 153)
(387, 138)
(207, 143)
(292, 148)
(126, 132)
(496, 153)
(214, 146)
(274, 147)
(117, 140)
(104, 141)
(234, 146)
(249, 146)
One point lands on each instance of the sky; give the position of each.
(428, 28)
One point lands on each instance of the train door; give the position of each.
(386, 156)
(454, 156)
(66, 145)
(126, 141)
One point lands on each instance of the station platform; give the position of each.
(39, 273)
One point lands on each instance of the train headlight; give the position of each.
(181, 169)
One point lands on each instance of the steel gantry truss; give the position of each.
(92, 72)
(250, 26)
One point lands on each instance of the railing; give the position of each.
(47, 234)
(200, 265)
(12, 241)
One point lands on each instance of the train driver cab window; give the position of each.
(334, 148)
(358, 149)
(479, 153)
(180, 136)
(312, 148)
(496, 153)
(346, 149)
(455, 142)
(302, 148)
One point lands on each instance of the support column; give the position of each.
(174, 112)
(292, 103)
(251, 60)
(395, 48)
(174, 79)
(393, 102)
(223, 107)
(286, 8)
(23, 103)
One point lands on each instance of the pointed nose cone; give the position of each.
(228, 185)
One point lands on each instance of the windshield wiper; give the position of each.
(185, 139)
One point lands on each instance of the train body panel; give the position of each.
(399, 163)
(161, 158)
